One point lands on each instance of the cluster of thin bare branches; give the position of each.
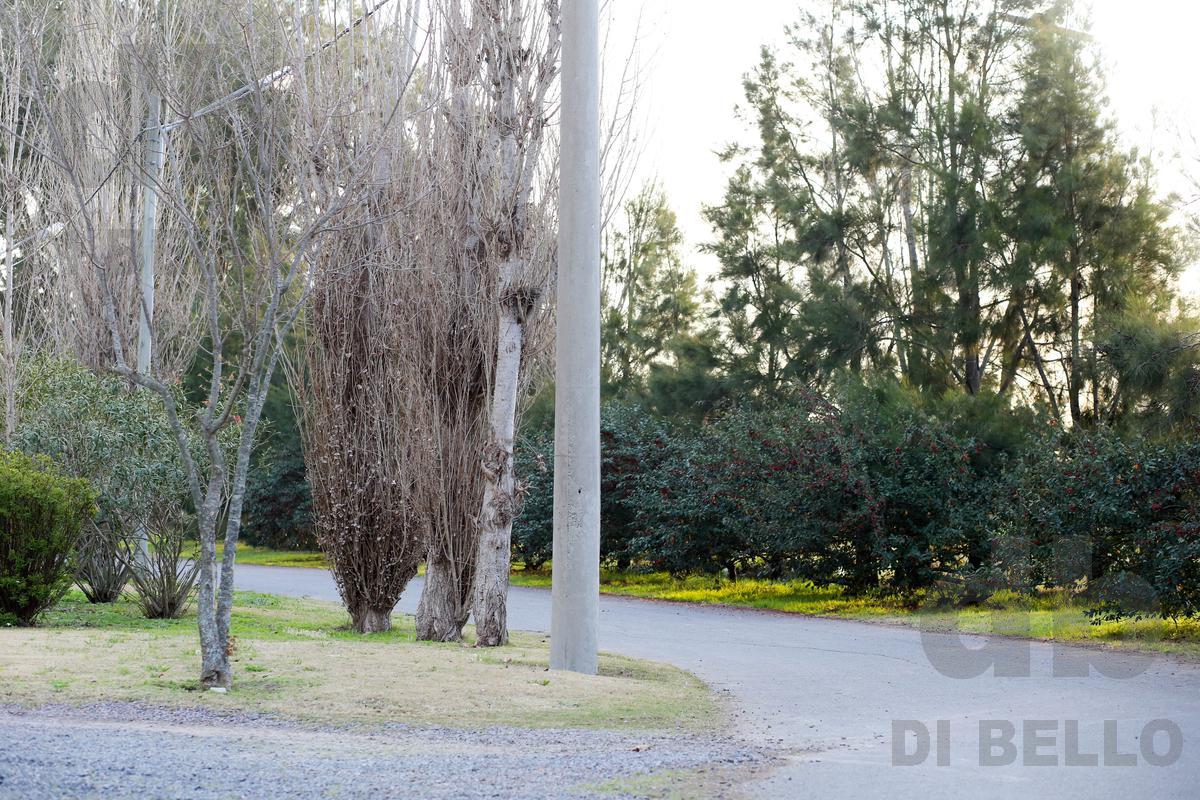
(109, 57)
(429, 302)
(20, 175)
(369, 445)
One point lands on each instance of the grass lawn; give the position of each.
(266, 557)
(1041, 617)
(297, 658)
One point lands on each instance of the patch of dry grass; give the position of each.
(725, 781)
(295, 658)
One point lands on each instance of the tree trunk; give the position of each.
(215, 599)
(973, 369)
(442, 612)
(494, 557)
(1075, 379)
(917, 361)
(371, 620)
(1012, 343)
(1041, 368)
(970, 327)
(215, 670)
(150, 180)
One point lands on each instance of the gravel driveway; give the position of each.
(129, 751)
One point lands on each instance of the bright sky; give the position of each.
(700, 49)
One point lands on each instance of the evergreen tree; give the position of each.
(1092, 248)
(651, 301)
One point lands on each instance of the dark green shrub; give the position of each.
(951, 498)
(930, 478)
(1071, 498)
(928, 522)
(279, 507)
(631, 443)
(42, 514)
(690, 512)
(1100, 513)
(779, 491)
(1170, 560)
(533, 528)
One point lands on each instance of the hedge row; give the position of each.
(871, 492)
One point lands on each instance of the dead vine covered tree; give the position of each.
(453, 341)
(365, 420)
(494, 201)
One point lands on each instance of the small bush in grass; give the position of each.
(164, 578)
(102, 561)
(41, 516)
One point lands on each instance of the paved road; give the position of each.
(831, 693)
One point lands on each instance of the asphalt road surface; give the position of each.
(850, 702)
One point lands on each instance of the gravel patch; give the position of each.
(126, 750)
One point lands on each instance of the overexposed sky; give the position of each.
(696, 52)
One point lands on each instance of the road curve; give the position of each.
(832, 692)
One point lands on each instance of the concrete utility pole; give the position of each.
(153, 172)
(576, 611)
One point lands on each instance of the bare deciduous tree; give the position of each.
(251, 178)
(112, 58)
(521, 48)
(364, 412)
(494, 200)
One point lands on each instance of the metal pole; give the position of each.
(576, 594)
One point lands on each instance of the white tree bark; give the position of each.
(521, 62)
(576, 592)
(150, 178)
(17, 177)
(499, 494)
